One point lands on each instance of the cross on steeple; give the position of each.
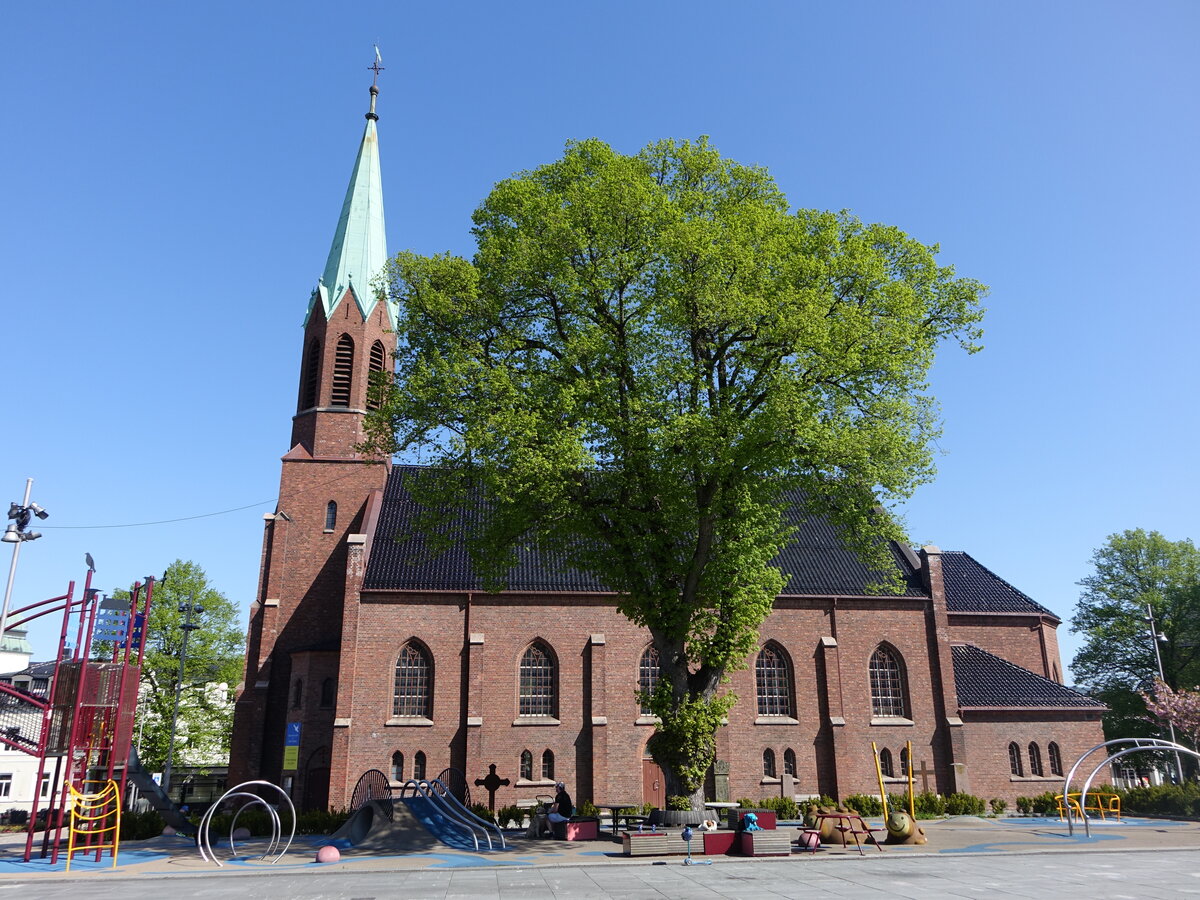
(376, 67)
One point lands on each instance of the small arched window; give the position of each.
(648, 672)
(343, 371)
(330, 515)
(1014, 759)
(378, 354)
(328, 692)
(412, 689)
(887, 683)
(538, 692)
(904, 762)
(548, 765)
(1035, 760)
(419, 766)
(309, 387)
(298, 693)
(773, 682)
(526, 766)
(789, 762)
(1055, 759)
(769, 763)
(398, 766)
(885, 763)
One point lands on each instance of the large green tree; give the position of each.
(215, 652)
(1117, 661)
(644, 355)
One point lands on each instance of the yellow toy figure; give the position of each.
(902, 829)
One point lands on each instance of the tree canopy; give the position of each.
(644, 355)
(1117, 661)
(215, 653)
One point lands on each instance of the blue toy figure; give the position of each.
(750, 822)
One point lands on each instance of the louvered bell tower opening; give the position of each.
(343, 371)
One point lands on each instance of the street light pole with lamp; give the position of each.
(188, 627)
(17, 534)
(1157, 637)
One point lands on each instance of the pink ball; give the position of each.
(328, 854)
(810, 841)
(168, 830)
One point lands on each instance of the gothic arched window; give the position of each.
(328, 692)
(1014, 759)
(1035, 760)
(378, 354)
(885, 763)
(412, 690)
(548, 765)
(310, 386)
(887, 683)
(904, 762)
(789, 762)
(769, 763)
(1055, 759)
(343, 371)
(419, 766)
(537, 692)
(298, 693)
(773, 682)
(526, 766)
(397, 766)
(330, 515)
(648, 671)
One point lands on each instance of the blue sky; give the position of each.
(172, 174)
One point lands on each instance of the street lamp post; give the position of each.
(16, 534)
(1156, 638)
(188, 627)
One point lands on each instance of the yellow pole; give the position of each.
(879, 775)
(912, 802)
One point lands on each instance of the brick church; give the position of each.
(368, 651)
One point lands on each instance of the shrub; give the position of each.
(18, 816)
(747, 803)
(785, 808)
(514, 816)
(681, 804)
(930, 804)
(998, 806)
(1162, 800)
(317, 821)
(587, 808)
(1045, 804)
(865, 804)
(137, 826)
(1024, 806)
(959, 804)
(483, 811)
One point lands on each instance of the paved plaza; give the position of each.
(965, 857)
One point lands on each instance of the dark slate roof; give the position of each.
(971, 587)
(815, 560)
(986, 680)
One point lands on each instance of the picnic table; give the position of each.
(614, 813)
(851, 825)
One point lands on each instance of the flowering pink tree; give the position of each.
(1181, 708)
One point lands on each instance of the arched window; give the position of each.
(298, 693)
(330, 515)
(526, 766)
(885, 763)
(648, 670)
(789, 762)
(769, 763)
(328, 692)
(1035, 760)
(1055, 759)
(419, 766)
(548, 765)
(414, 680)
(773, 682)
(309, 387)
(904, 762)
(343, 371)
(887, 683)
(378, 354)
(537, 687)
(1014, 759)
(397, 766)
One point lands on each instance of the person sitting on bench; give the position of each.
(563, 808)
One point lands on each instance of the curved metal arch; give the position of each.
(1087, 826)
(1139, 744)
(202, 837)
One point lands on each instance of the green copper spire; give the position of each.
(359, 249)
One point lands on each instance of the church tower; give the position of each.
(284, 715)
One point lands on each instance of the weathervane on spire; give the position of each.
(376, 68)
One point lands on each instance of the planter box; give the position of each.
(766, 817)
(717, 843)
(583, 829)
(765, 843)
